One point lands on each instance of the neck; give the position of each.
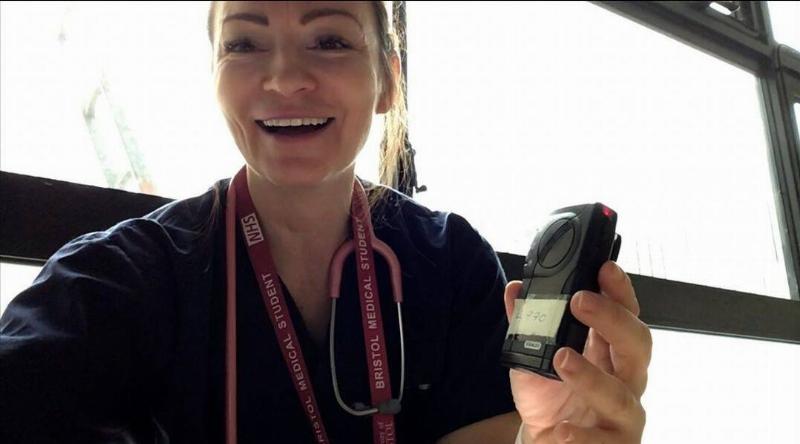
(305, 226)
(308, 219)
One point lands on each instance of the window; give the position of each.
(797, 117)
(545, 105)
(712, 389)
(554, 104)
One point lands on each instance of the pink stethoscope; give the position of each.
(391, 406)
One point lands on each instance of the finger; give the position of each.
(616, 284)
(512, 291)
(597, 351)
(616, 405)
(566, 432)
(529, 389)
(629, 338)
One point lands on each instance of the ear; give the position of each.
(389, 95)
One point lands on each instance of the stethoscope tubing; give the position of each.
(230, 326)
(392, 406)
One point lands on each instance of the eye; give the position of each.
(330, 42)
(238, 45)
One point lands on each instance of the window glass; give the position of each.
(118, 94)
(13, 279)
(715, 389)
(545, 105)
(797, 117)
(785, 18)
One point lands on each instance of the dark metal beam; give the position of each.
(680, 306)
(38, 215)
(705, 29)
(789, 62)
(695, 308)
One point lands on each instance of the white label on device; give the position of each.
(537, 317)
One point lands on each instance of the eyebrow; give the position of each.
(307, 17)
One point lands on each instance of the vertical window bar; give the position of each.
(784, 157)
(784, 150)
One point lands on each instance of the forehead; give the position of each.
(362, 10)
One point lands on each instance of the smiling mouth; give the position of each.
(293, 130)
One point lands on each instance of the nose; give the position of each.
(287, 74)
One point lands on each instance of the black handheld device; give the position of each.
(565, 257)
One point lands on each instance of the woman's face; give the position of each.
(295, 60)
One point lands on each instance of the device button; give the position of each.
(615, 248)
(546, 365)
(556, 243)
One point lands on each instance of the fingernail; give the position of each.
(564, 433)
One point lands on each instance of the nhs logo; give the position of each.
(252, 232)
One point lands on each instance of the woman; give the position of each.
(126, 335)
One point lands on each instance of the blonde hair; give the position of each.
(393, 156)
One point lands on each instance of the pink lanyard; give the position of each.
(240, 205)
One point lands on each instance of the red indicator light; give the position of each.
(607, 211)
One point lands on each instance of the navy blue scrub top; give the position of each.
(121, 336)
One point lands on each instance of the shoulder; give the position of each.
(108, 307)
(130, 273)
(395, 210)
(174, 228)
(135, 253)
(436, 235)
(187, 219)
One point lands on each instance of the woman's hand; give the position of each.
(599, 400)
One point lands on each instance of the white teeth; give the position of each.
(295, 122)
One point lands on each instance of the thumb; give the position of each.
(512, 291)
